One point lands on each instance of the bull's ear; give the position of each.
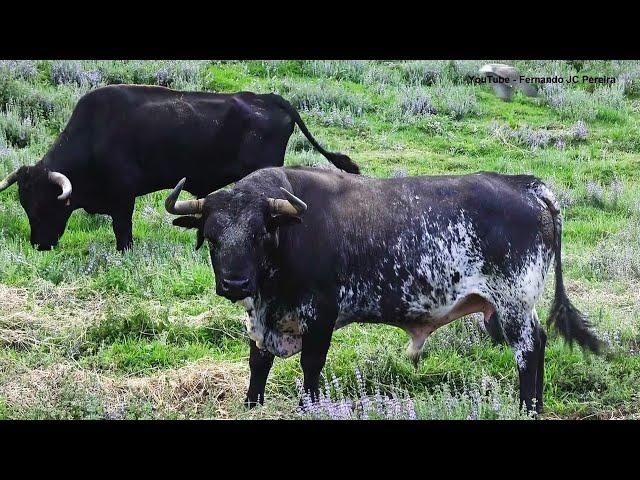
(200, 239)
(187, 221)
(276, 221)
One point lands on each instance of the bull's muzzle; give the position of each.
(234, 289)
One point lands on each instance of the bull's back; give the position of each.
(364, 219)
(155, 135)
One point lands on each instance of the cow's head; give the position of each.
(44, 195)
(242, 230)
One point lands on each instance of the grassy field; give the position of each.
(86, 332)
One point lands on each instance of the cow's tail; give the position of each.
(338, 159)
(566, 318)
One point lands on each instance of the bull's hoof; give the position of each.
(253, 402)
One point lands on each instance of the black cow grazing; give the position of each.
(309, 251)
(124, 141)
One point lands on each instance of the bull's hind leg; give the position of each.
(527, 340)
(260, 362)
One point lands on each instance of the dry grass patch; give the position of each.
(202, 389)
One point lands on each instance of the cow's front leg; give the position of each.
(260, 362)
(315, 345)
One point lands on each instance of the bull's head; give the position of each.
(47, 207)
(241, 228)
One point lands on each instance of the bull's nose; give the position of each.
(235, 288)
(235, 284)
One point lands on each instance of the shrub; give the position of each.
(535, 138)
(485, 400)
(425, 72)
(457, 101)
(352, 70)
(600, 196)
(381, 77)
(63, 72)
(15, 130)
(604, 102)
(415, 102)
(336, 117)
(322, 96)
(618, 257)
(21, 69)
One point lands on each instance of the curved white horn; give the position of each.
(62, 181)
(10, 180)
(187, 207)
(292, 206)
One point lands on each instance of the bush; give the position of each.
(535, 138)
(16, 131)
(421, 72)
(618, 257)
(604, 102)
(338, 117)
(601, 196)
(415, 102)
(19, 69)
(352, 70)
(457, 101)
(322, 96)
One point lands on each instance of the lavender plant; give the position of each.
(618, 256)
(321, 95)
(487, 399)
(535, 138)
(352, 70)
(415, 102)
(22, 69)
(457, 101)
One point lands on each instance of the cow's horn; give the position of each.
(10, 180)
(186, 207)
(292, 206)
(62, 181)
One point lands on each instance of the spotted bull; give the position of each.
(309, 251)
(123, 141)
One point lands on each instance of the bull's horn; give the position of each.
(63, 182)
(292, 206)
(10, 180)
(187, 207)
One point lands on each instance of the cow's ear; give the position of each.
(187, 221)
(276, 221)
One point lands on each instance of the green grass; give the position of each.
(86, 332)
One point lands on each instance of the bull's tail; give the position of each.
(338, 159)
(566, 318)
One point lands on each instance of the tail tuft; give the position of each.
(572, 324)
(343, 162)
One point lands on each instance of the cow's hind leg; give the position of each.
(260, 362)
(527, 340)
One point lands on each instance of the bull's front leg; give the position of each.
(315, 345)
(123, 225)
(260, 362)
